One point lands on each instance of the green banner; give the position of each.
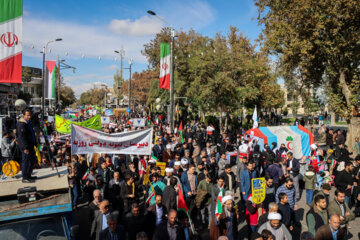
(64, 126)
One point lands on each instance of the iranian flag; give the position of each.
(50, 80)
(181, 132)
(219, 209)
(10, 41)
(165, 66)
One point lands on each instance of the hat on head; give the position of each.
(226, 198)
(313, 146)
(274, 216)
(169, 170)
(177, 163)
(184, 161)
(187, 150)
(168, 146)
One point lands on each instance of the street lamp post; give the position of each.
(61, 66)
(171, 120)
(130, 63)
(122, 54)
(43, 75)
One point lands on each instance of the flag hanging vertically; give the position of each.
(181, 132)
(181, 201)
(165, 62)
(11, 41)
(50, 80)
(218, 209)
(255, 119)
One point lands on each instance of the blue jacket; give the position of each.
(245, 180)
(186, 184)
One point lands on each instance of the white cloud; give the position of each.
(112, 67)
(140, 27)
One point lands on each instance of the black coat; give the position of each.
(169, 198)
(25, 137)
(226, 177)
(161, 232)
(134, 225)
(295, 166)
(119, 231)
(342, 180)
(150, 217)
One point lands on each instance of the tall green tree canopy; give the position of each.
(318, 41)
(220, 74)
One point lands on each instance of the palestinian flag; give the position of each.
(165, 63)
(181, 201)
(50, 81)
(152, 194)
(181, 132)
(219, 209)
(11, 41)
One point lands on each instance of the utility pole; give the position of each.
(121, 52)
(58, 85)
(172, 80)
(130, 63)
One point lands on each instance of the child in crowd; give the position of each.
(310, 181)
(288, 215)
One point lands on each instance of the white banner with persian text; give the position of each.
(85, 141)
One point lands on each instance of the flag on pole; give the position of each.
(181, 201)
(181, 132)
(11, 41)
(86, 174)
(154, 158)
(255, 119)
(50, 80)
(219, 209)
(165, 62)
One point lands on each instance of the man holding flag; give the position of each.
(225, 221)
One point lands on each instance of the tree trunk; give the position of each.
(333, 119)
(220, 122)
(353, 131)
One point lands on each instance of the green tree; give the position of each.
(217, 75)
(67, 96)
(319, 40)
(94, 96)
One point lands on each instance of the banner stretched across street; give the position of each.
(64, 126)
(85, 140)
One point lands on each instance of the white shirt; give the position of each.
(244, 148)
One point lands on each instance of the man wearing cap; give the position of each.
(225, 223)
(167, 155)
(278, 230)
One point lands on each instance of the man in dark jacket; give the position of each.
(344, 181)
(169, 195)
(155, 215)
(229, 177)
(134, 222)
(113, 231)
(276, 172)
(169, 229)
(325, 231)
(317, 215)
(329, 139)
(293, 167)
(26, 141)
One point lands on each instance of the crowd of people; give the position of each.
(130, 197)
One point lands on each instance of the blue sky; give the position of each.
(94, 29)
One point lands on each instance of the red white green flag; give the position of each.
(219, 209)
(11, 41)
(165, 66)
(50, 80)
(181, 132)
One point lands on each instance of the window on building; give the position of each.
(32, 90)
(25, 89)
